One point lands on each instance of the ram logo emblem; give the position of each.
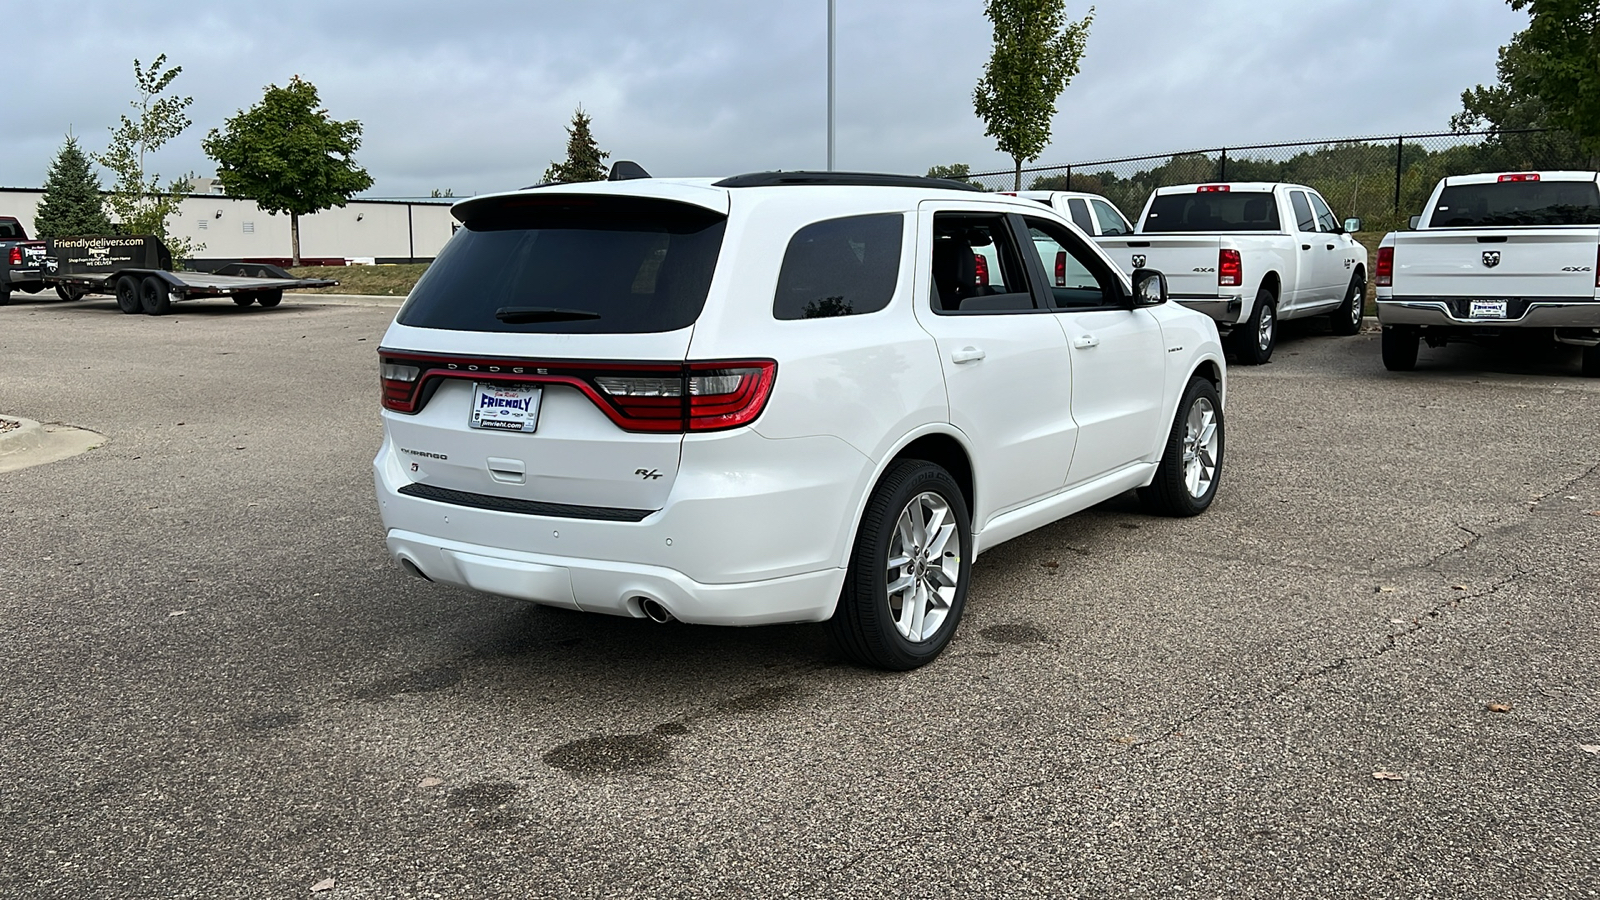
(1138, 260)
(1491, 258)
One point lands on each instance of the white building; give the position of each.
(233, 229)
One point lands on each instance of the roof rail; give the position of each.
(851, 179)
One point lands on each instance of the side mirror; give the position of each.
(1415, 221)
(1149, 287)
(1352, 225)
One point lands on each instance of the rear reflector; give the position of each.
(650, 397)
(1385, 270)
(1528, 176)
(1212, 189)
(1230, 269)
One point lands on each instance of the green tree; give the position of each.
(953, 172)
(1549, 79)
(287, 155)
(72, 203)
(1036, 53)
(585, 160)
(138, 202)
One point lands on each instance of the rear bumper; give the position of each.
(1225, 310)
(22, 276)
(1573, 313)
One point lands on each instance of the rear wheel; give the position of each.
(1591, 361)
(269, 299)
(907, 583)
(5, 293)
(1254, 338)
(154, 297)
(1347, 318)
(70, 292)
(1191, 466)
(128, 294)
(1399, 348)
(244, 299)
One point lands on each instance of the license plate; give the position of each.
(505, 407)
(1487, 309)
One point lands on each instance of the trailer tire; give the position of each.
(128, 294)
(70, 292)
(269, 299)
(244, 299)
(154, 296)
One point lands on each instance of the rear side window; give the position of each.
(1305, 220)
(840, 267)
(1512, 203)
(1212, 211)
(571, 265)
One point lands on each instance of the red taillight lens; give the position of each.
(1230, 269)
(16, 256)
(1061, 268)
(1385, 270)
(1212, 189)
(1528, 176)
(983, 269)
(399, 385)
(727, 395)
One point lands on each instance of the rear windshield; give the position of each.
(572, 265)
(10, 230)
(1212, 211)
(1504, 203)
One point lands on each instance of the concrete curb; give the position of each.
(36, 443)
(21, 440)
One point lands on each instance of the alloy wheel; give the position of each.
(923, 568)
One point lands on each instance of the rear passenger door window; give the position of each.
(840, 267)
(976, 266)
(1079, 211)
(1305, 219)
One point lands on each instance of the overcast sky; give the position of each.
(473, 95)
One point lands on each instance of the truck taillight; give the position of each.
(16, 256)
(1385, 270)
(1061, 268)
(982, 266)
(1526, 176)
(1230, 268)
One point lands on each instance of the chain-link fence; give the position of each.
(1384, 180)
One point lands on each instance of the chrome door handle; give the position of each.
(966, 355)
(1085, 341)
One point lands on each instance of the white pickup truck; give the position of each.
(1491, 254)
(1248, 254)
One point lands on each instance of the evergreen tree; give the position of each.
(71, 203)
(585, 160)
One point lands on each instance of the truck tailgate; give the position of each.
(1497, 263)
(1188, 261)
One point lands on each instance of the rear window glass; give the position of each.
(1504, 203)
(10, 230)
(841, 267)
(572, 265)
(1212, 211)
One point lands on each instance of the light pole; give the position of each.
(830, 85)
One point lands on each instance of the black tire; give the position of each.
(5, 293)
(1591, 362)
(1347, 318)
(1254, 338)
(1169, 493)
(244, 299)
(1400, 348)
(70, 292)
(269, 299)
(154, 296)
(32, 288)
(864, 625)
(128, 294)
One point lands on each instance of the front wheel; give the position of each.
(1254, 339)
(907, 584)
(1347, 318)
(128, 294)
(1191, 465)
(1399, 348)
(243, 299)
(269, 299)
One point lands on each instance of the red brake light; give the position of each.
(1385, 270)
(1212, 189)
(1230, 269)
(16, 256)
(983, 269)
(1529, 176)
(1061, 268)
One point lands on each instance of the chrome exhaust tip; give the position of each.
(411, 567)
(655, 612)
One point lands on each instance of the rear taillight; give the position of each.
(1385, 270)
(1212, 189)
(16, 256)
(1526, 176)
(1061, 268)
(661, 397)
(1230, 269)
(982, 266)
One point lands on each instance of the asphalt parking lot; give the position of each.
(217, 685)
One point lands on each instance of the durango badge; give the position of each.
(1491, 258)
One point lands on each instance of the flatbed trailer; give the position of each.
(137, 270)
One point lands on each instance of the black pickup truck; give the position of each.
(22, 265)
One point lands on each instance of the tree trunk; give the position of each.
(1016, 184)
(294, 232)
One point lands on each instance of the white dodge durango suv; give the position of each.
(781, 397)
